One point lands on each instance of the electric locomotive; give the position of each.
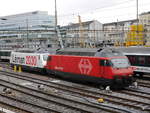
(106, 67)
(29, 61)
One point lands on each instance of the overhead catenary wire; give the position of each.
(100, 8)
(108, 12)
(107, 8)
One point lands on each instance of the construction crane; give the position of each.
(81, 38)
(135, 36)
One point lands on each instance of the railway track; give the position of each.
(24, 106)
(5, 106)
(77, 105)
(118, 99)
(144, 83)
(52, 98)
(136, 92)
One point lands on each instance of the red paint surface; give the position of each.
(84, 65)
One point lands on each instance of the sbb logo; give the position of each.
(85, 66)
(31, 60)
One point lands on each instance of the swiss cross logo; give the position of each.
(85, 66)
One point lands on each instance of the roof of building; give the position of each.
(78, 24)
(23, 14)
(119, 22)
(145, 13)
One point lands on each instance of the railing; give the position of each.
(71, 38)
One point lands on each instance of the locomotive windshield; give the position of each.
(120, 63)
(45, 57)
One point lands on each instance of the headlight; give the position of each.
(130, 75)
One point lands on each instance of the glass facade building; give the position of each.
(35, 20)
(26, 27)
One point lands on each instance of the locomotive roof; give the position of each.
(135, 49)
(77, 51)
(92, 51)
(89, 51)
(100, 52)
(48, 50)
(109, 52)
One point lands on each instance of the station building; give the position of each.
(89, 32)
(144, 19)
(117, 31)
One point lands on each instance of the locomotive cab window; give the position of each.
(45, 57)
(49, 58)
(105, 63)
(120, 62)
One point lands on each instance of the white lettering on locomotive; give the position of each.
(29, 59)
(85, 66)
(59, 68)
(18, 60)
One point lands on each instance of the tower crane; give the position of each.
(81, 38)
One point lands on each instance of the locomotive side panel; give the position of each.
(83, 69)
(24, 59)
(75, 64)
(29, 61)
(87, 66)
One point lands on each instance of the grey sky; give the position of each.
(83, 5)
(102, 10)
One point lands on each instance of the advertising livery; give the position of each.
(29, 60)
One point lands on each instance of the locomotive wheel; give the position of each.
(140, 75)
(107, 88)
(101, 87)
(43, 71)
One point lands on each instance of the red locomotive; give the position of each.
(107, 67)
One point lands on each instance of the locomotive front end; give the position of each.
(122, 72)
(116, 67)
